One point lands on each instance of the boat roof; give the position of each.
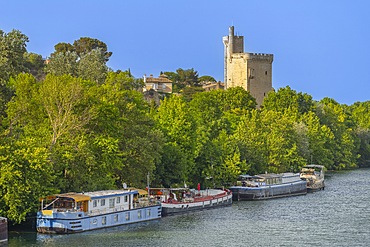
(78, 197)
(246, 176)
(270, 175)
(86, 196)
(313, 166)
(169, 189)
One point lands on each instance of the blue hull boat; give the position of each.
(78, 212)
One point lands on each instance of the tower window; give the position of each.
(266, 72)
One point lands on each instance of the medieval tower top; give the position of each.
(252, 71)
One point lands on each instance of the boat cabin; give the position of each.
(173, 194)
(259, 180)
(311, 170)
(92, 203)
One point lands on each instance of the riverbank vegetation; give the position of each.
(70, 123)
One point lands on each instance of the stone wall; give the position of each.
(252, 71)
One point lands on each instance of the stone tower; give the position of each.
(252, 71)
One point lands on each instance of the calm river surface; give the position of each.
(337, 216)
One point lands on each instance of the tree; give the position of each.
(25, 176)
(35, 65)
(335, 117)
(62, 98)
(123, 80)
(175, 121)
(188, 77)
(286, 99)
(85, 45)
(281, 142)
(86, 58)
(188, 92)
(252, 139)
(91, 66)
(122, 125)
(173, 76)
(63, 48)
(216, 114)
(63, 63)
(12, 47)
(206, 78)
(360, 112)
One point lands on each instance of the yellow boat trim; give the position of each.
(75, 196)
(141, 191)
(47, 212)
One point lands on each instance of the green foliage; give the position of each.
(91, 66)
(360, 112)
(62, 98)
(344, 149)
(173, 118)
(188, 92)
(86, 58)
(286, 99)
(252, 138)
(63, 48)
(63, 63)
(35, 65)
(188, 77)
(206, 78)
(25, 175)
(12, 47)
(85, 45)
(124, 80)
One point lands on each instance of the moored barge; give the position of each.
(78, 212)
(267, 186)
(183, 200)
(314, 176)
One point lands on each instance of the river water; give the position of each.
(336, 216)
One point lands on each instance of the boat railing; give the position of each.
(63, 210)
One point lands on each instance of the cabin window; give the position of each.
(125, 198)
(95, 203)
(102, 202)
(148, 213)
(95, 221)
(128, 216)
(104, 220)
(118, 200)
(115, 218)
(139, 214)
(111, 203)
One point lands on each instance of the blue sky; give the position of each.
(321, 48)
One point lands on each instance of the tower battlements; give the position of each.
(254, 56)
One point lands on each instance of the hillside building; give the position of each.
(161, 84)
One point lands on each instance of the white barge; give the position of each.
(267, 186)
(78, 212)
